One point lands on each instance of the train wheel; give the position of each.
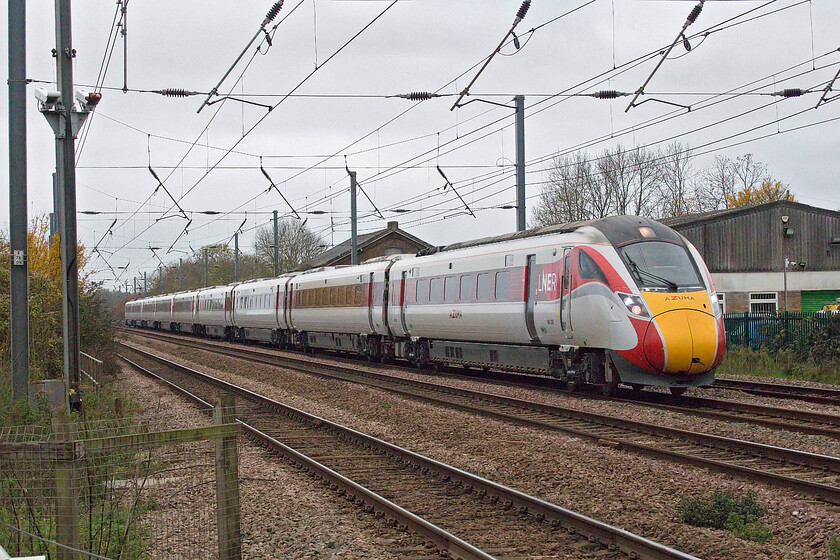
(677, 391)
(609, 389)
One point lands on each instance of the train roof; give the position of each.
(619, 230)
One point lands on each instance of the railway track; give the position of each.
(808, 473)
(818, 395)
(414, 492)
(806, 422)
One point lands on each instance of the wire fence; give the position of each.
(120, 490)
(776, 330)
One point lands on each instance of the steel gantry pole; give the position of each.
(354, 246)
(276, 247)
(205, 267)
(236, 257)
(66, 148)
(19, 304)
(520, 162)
(181, 275)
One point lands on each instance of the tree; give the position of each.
(619, 181)
(45, 305)
(297, 244)
(726, 177)
(769, 191)
(676, 187)
(565, 197)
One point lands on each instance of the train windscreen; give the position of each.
(661, 265)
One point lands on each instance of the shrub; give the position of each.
(834, 548)
(754, 531)
(727, 510)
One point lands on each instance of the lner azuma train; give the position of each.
(617, 300)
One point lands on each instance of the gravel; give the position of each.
(283, 514)
(636, 493)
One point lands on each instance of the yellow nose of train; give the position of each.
(683, 335)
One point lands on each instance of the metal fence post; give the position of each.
(786, 327)
(66, 497)
(746, 328)
(227, 484)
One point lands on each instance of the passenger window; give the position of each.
(435, 290)
(422, 293)
(485, 286)
(503, 285)
(466, 291)
(449, 289)
(589, 269)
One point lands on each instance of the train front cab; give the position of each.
(673, 309)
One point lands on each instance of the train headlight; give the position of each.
(715, 304)
(634, 304)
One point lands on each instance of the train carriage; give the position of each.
(132, 312)
(342, 308)
(183, 312)
(214, 312)
(260, 310)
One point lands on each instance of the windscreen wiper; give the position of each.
(639, 271)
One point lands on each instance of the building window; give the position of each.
(764, 302)
(722, 302)
(392, 251)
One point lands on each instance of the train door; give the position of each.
(531, 279)
(370, 302)
(566, 294)
(403, 304)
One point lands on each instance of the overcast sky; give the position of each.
(416, 45)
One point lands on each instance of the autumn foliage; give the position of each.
(45, 310)
(768, 191)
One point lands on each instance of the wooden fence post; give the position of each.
(227, 484)
(66, 496)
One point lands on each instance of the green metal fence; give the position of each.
(782, 330)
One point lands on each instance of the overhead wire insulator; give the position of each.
(523, 9)
(175, 92)
(692, 17)
(272, 13)
(418, 95)
(608, 94)
(790, 92)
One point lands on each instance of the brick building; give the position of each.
(389, 241)
(769, 257)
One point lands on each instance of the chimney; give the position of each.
(393, 225)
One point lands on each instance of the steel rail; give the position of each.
(806, 422)
(619, 433)
(818, 395)
(803, 421)
(595, 530)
